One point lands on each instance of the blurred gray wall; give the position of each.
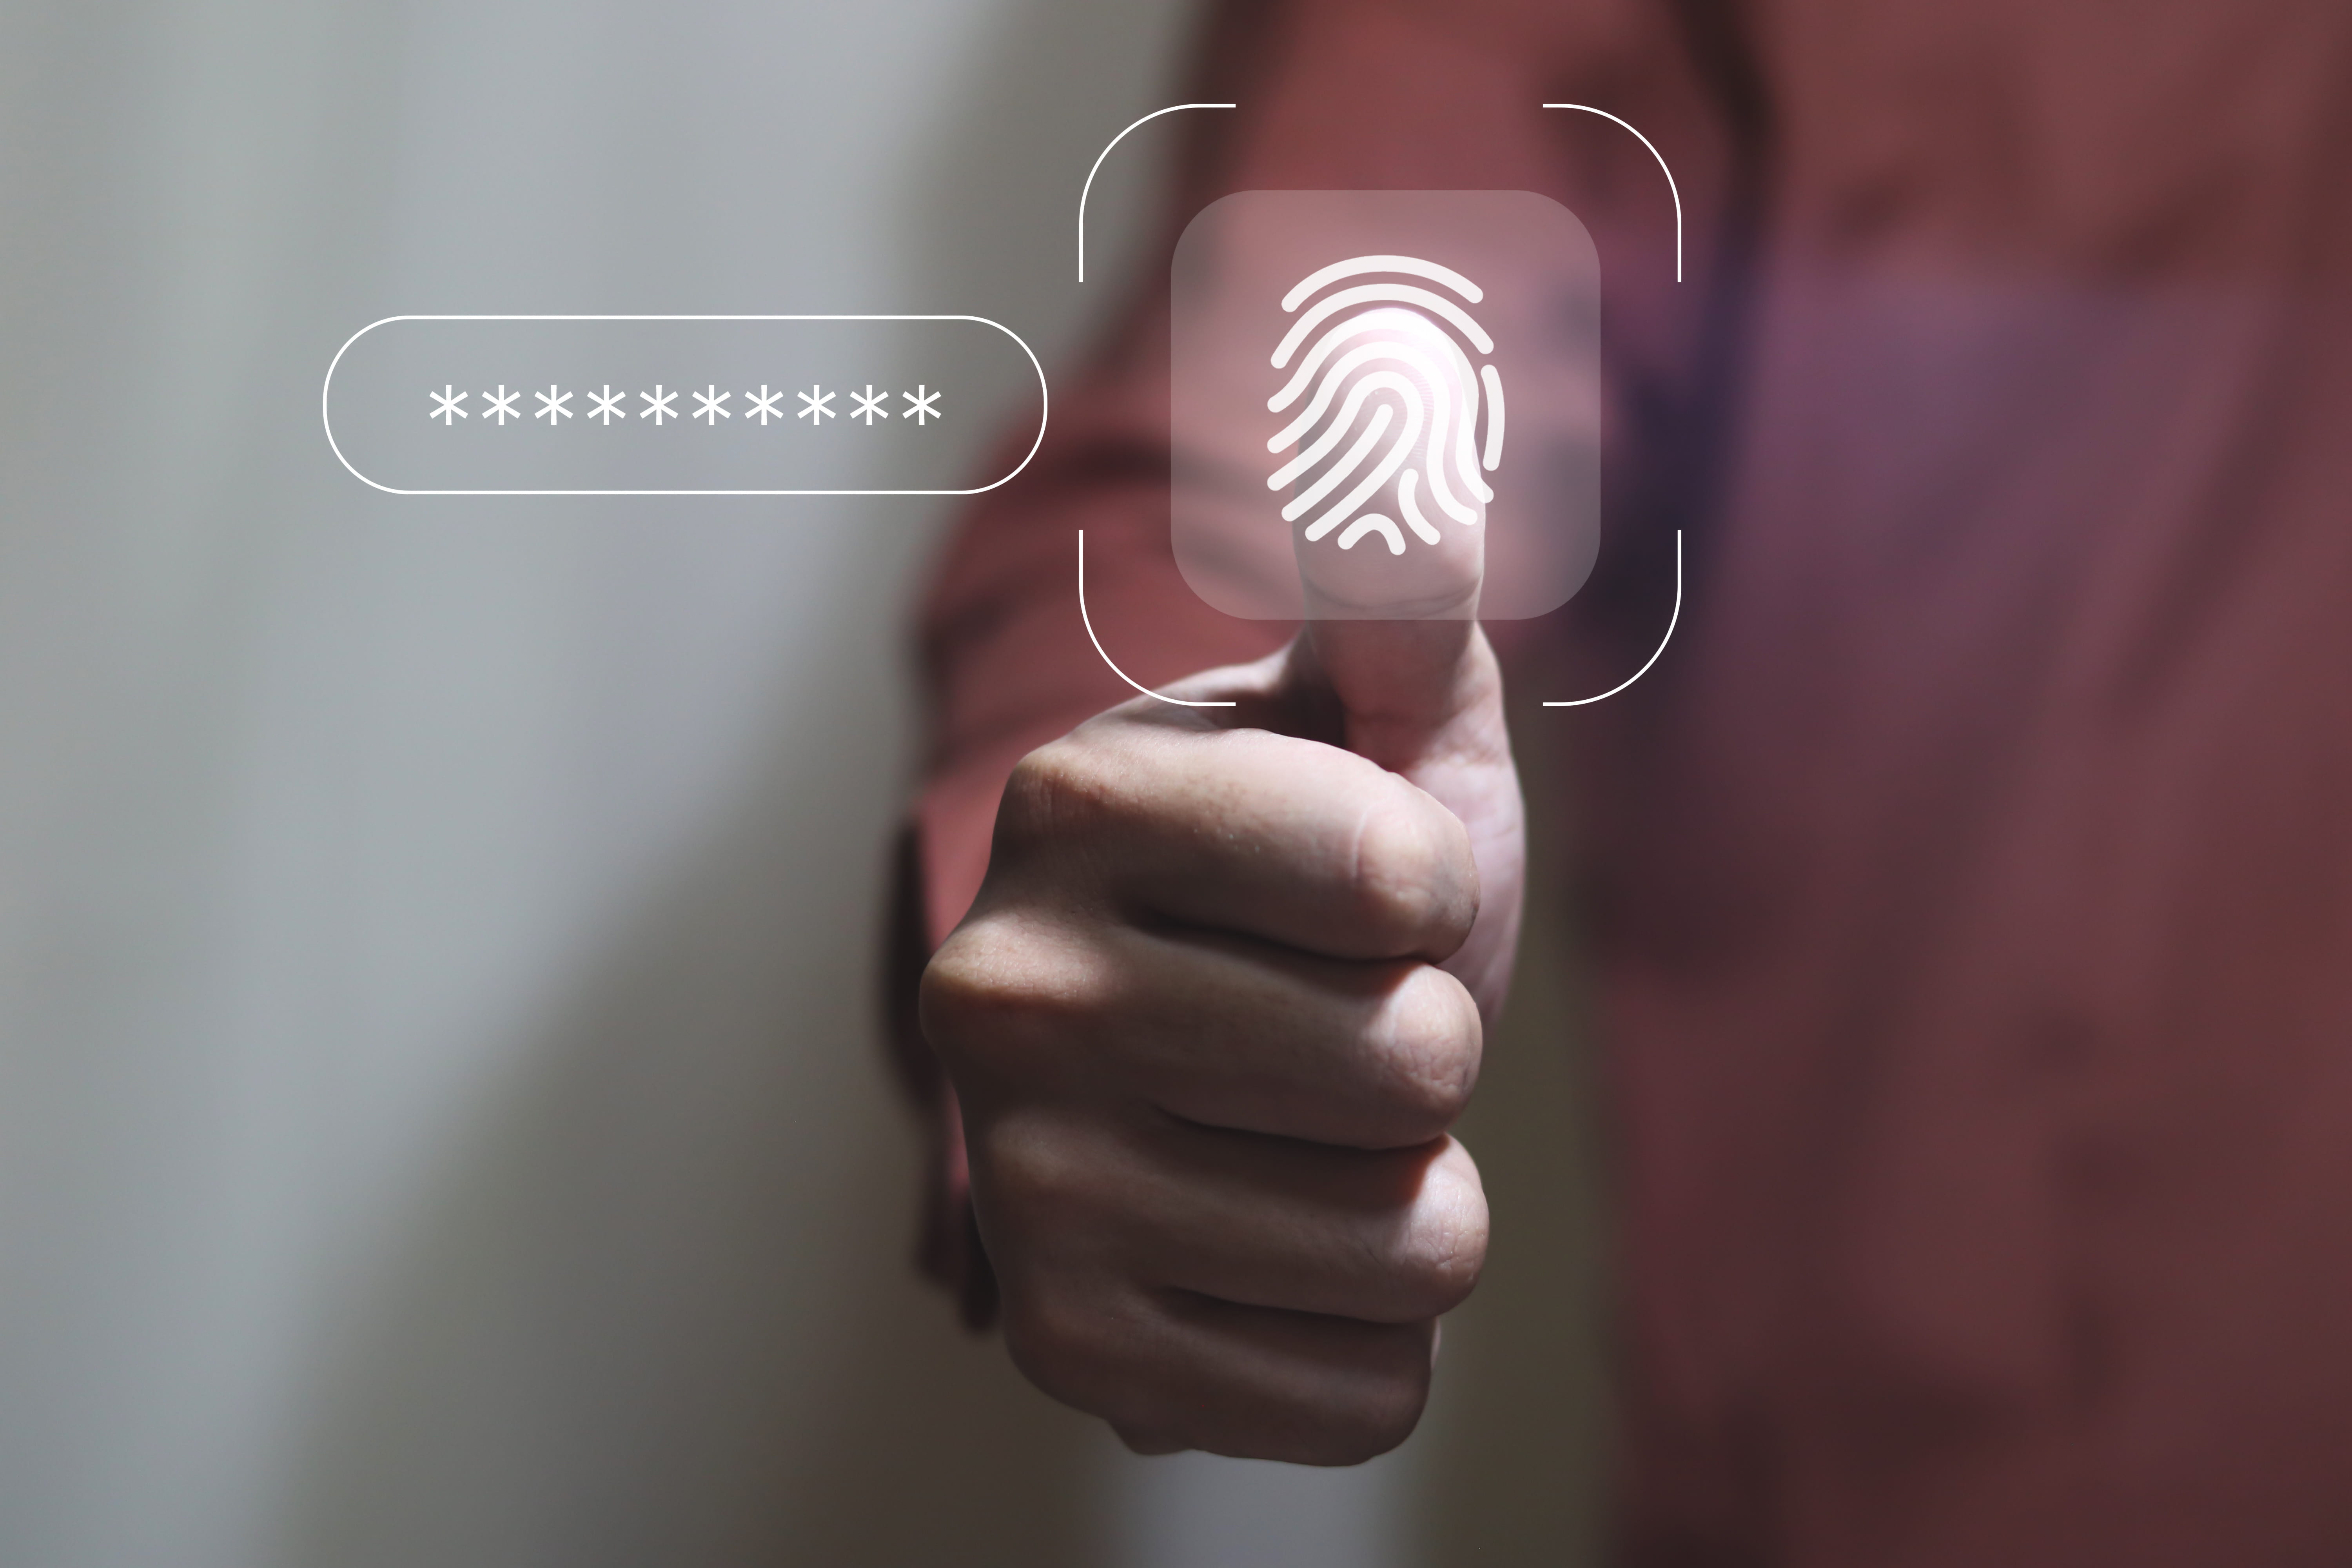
(440, 1122)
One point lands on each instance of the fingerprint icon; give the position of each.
(1391, 403)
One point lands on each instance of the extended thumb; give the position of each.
(1405, 689)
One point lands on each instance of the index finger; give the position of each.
(1241, 831)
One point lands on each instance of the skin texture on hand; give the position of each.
(1220, 995)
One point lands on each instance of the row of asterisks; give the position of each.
(816, 406)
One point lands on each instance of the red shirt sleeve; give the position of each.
(1407, 94)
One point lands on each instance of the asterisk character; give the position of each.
(869, 406)
(608, 404)
(763, 407)
(658, 403)
(815, 413)
(920, 408)
(554, 412)
(445, 404)
(707, 404)
(501, 408)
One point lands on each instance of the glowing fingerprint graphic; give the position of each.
(1389, 403)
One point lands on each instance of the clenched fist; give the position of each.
(1209, 1020)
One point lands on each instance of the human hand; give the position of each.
(1209, 1019)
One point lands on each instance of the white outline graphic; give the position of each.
(327, 388)
(1671, 622)
(1676, 191)
(1086, 189)
(1380, 293)
(1494, 392)
(1436, 392)
(1175, 701)
(1661, 157)
(1358, 266)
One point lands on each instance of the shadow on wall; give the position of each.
(658, 1306)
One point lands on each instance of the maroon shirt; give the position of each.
(1972, 878)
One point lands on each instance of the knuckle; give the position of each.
(1039, 1179)
(1051, 1340)
(958, 991)
(1076, 1345)
(1414, 883)
(1036, 1180)
(1060, 785)
(998, 993)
